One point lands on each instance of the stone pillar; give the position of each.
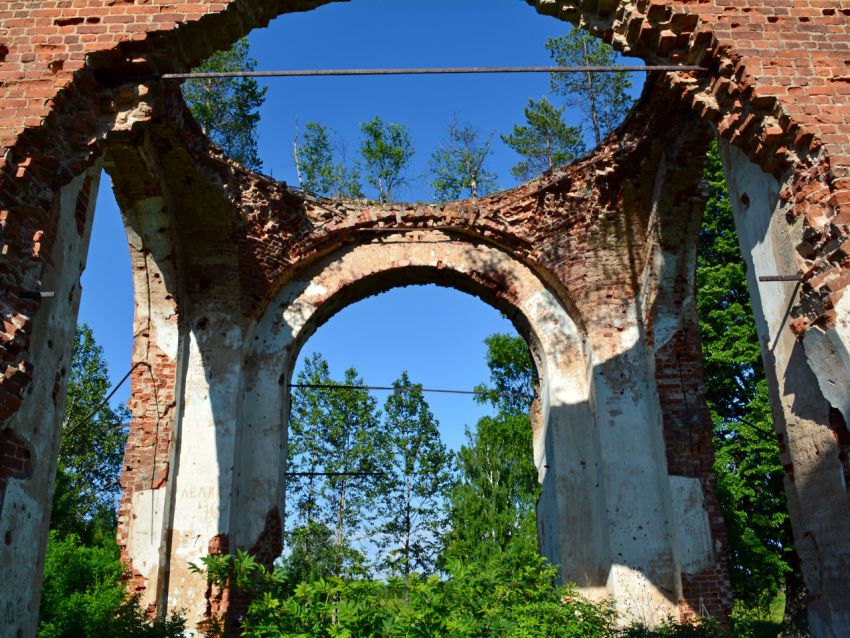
(808, 381)
(643, 575)
(29, 440)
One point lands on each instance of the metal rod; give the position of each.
(331, 386)
(417, 71)
(334, 473)
(35, 294)
(781, 278)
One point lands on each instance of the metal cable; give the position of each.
(332, 386)
(416, 71)
(70, 429)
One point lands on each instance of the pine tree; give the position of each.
(602, 97)
(228, 108)
(544, 141)
(412, 499)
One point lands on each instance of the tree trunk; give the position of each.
(295, 155)
(591, 96)
(795, 622)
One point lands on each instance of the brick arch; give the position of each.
(777, 89)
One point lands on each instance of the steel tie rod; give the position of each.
(417, 71)
(332, 386)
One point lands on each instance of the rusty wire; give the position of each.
(332, 386)
(209, 75)
(335, 473)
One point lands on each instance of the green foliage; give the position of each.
(544, 141)
(747, 463)
(507, 594)
(413, 488)
(386, 150)
(319, 170)
(731, 353)
(457, 166)
(493, 499)
(228, 109)
(512, 372)
(499, 595)
(706, 628)
(333, 431)
(494, 495)
(602, 97)
(82, 596)
(91, 452)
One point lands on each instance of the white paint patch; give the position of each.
(165, 332)
(827, 354)
(145, 537)
(665, 324)
(315, 290)
(637, 599)
(692, 527)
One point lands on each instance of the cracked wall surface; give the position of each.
(611, 237)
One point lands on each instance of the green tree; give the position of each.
(506, 595)
(494, 496)
(457, 166)
(83, 595)
(91, 449)
(544, 141)
(336, 432)
(412, 499)
(512, 374)
(386, 150)
(747, 465)
(602, 97)
(319, 170)
(228, 108)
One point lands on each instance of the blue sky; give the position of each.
(434, 333)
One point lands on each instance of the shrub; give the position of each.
(83, 596)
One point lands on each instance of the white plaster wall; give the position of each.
(804, 380)
(643, 578)
(680, 518)
(606, 510)
(25, 514)
(693, 530)
(202, 479)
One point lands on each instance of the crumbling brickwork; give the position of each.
(615, 254)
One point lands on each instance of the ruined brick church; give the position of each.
(593, 262)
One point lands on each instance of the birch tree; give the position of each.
(458, 167)
(386, 150)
